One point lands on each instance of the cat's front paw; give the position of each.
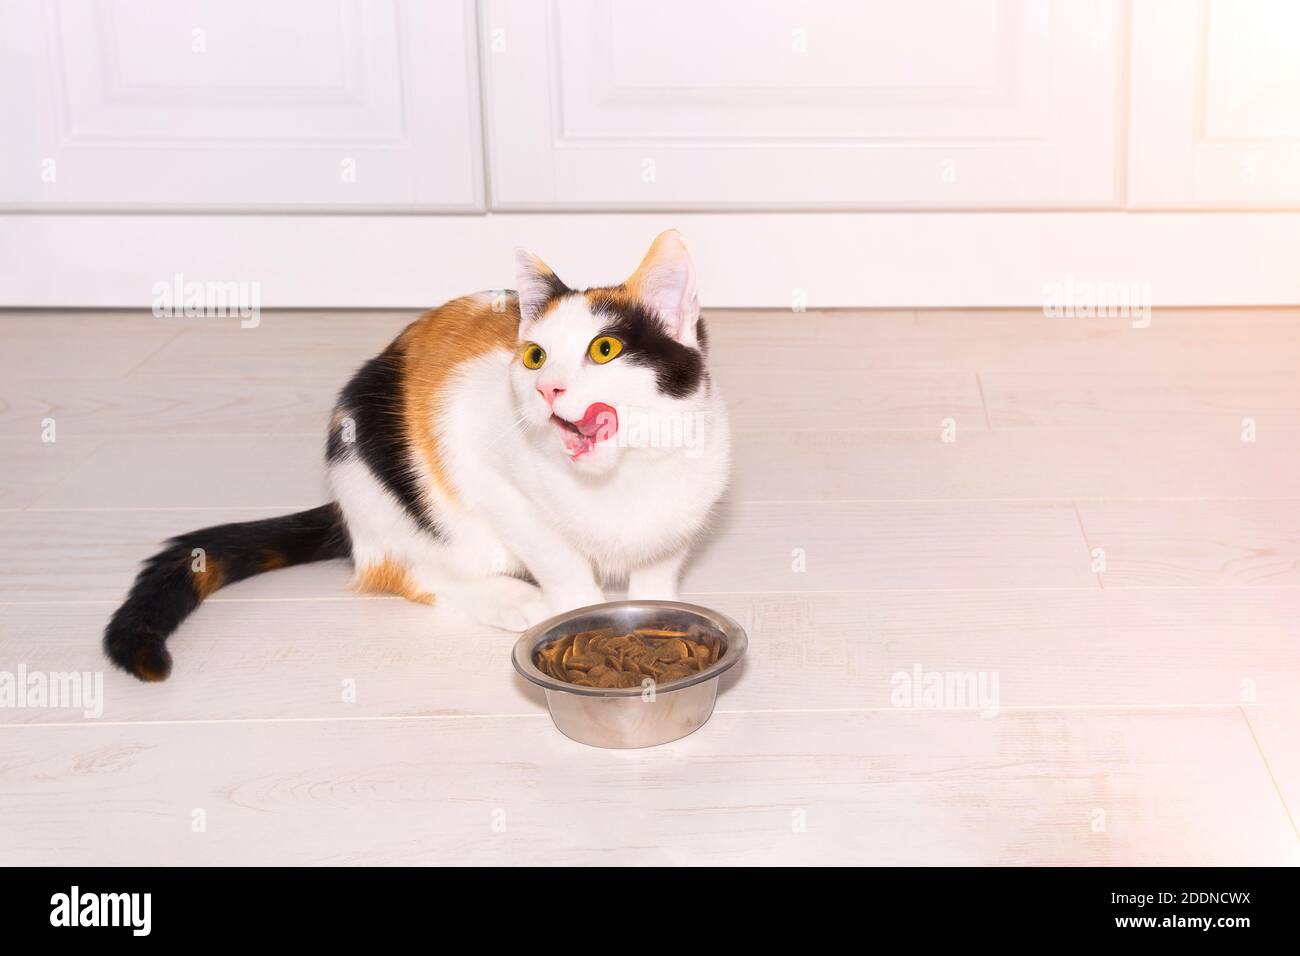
(509, 604)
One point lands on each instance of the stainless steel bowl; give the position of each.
(631, 716)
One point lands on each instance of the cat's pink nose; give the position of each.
(549, 393)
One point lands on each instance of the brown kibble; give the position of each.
(603, 658)
(670, 650)
(620, 643)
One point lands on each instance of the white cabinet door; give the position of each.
(803, 103)
(1216, 104)
(327, 104)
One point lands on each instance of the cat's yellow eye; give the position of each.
(534, 355)
(604, 348)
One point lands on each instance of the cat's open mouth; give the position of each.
(597, 424)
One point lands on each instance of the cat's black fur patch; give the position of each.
(555, 289)
(373, 400)
(167, 590)
(679, 369)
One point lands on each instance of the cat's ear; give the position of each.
(664, 283)
(536, 283)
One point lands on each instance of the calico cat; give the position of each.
(564, 436)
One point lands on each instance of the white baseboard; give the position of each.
(745, 260)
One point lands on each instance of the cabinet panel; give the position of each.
(240, 103)
(809, 103)
(1216, 104)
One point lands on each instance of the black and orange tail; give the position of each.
(176, 580)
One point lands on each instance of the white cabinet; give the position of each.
(672, 105)
(1215, 104)
(141, 104)
(804, 103)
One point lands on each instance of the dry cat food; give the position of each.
(608, 658)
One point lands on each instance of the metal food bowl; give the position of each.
(630, 717)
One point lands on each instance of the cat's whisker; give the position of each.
(508, 431)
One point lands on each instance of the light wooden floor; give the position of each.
(1149, 711)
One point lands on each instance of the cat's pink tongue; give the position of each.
(599, 422)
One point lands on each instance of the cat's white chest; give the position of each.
(655, 504)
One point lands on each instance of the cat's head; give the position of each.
(602, 372)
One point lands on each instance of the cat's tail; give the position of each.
(175, 580)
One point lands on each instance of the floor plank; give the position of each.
(800, 400)
(232, 405)
(1277, 732)
(992, 340)
(272, 657)
(30, 467)
(197, 471)
(93, 555)
(810, 546)
(884, 788)
(285, 345)
(1025, 464)
(1207, 340)
(86, 345)
(1235, 543)
(1149, 399)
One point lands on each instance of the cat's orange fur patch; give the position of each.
(432, 349)
(389, 577)
(617, 296)
(207, 581)
(151, 664)
(272, 560)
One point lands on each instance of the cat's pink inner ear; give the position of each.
(535, 282)
(664, 283)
